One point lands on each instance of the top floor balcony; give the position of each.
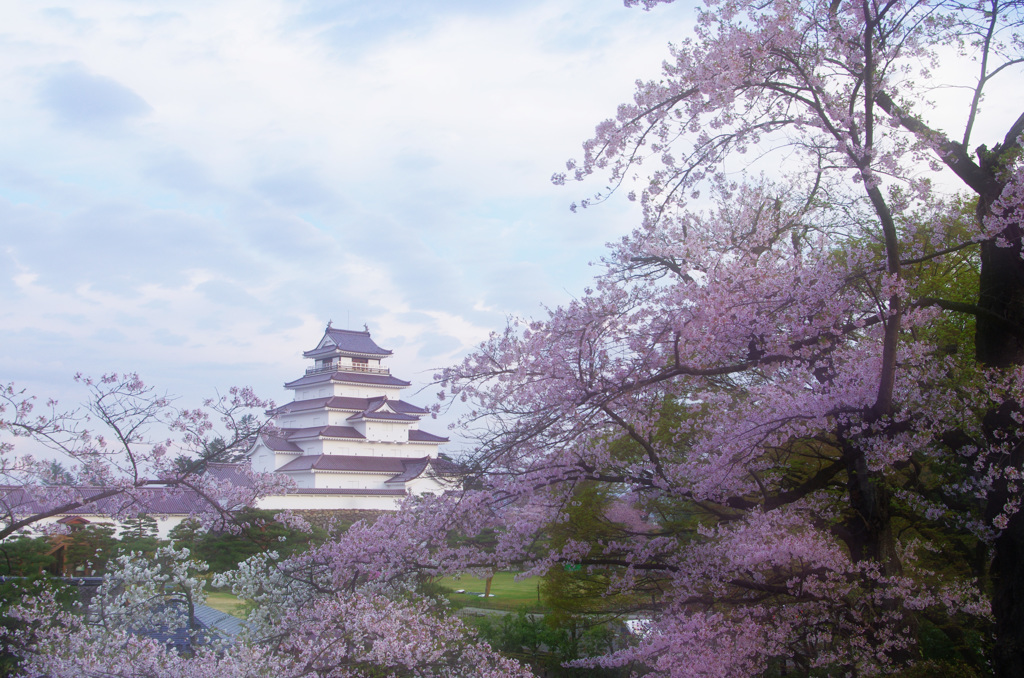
(341, 367)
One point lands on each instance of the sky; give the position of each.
(191, 190)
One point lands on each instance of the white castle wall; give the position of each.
(307, 502)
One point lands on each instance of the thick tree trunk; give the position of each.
(1008, 600)
(1007, 569)
(869, 534)
(1001, 298)
(999, 344)
(869, 527)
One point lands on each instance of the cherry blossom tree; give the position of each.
(310, 617)
(762, 375)
(769, 363)
(293, 630)
(118, 446)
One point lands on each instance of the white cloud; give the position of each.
(195, 188)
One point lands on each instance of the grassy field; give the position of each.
(506, 592)
(225, 602)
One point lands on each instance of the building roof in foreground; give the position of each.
(233, 473)
(143, 500)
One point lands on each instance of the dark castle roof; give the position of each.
(350, 377)
(279, 444)
(286, 441)
(344, 462)
(380, 409)
(346, 404)
(382, 416)
(351, 491)
(348, 342)
(321, 432)
(404, 470)
(418, 436)
(439, 467)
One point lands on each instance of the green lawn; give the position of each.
(225, 602)
(506, 592)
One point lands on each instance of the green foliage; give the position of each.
(585, 589)
(815, 464)
(952, 277)
(88, 548)
(187, 533)
(518, 633)
(223, 550)
(579, 590)
(57, 474)
(138, 534)
(24, 556)
(938, 669)
(217, 450)
(547, 642)
(954, 643)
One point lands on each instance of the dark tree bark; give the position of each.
(999, 344)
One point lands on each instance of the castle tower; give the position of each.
(347, 439)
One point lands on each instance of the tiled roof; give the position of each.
(233, 473)
(157, 500)
(404, 469)
(418, 436)
(343, 462)
(15, 501)
(374, 379)
(303, 463)
(349, 377)
(321, 431)
(210, 624)
(416, 467)
(207, 619)
(345, 403)
(301, 405)
(413, 468)
(279, 444)
(349, 341)
(348, 432)
(382, 416)
(401, 406)
(444, 467)
(222, 621)
(154, 500)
